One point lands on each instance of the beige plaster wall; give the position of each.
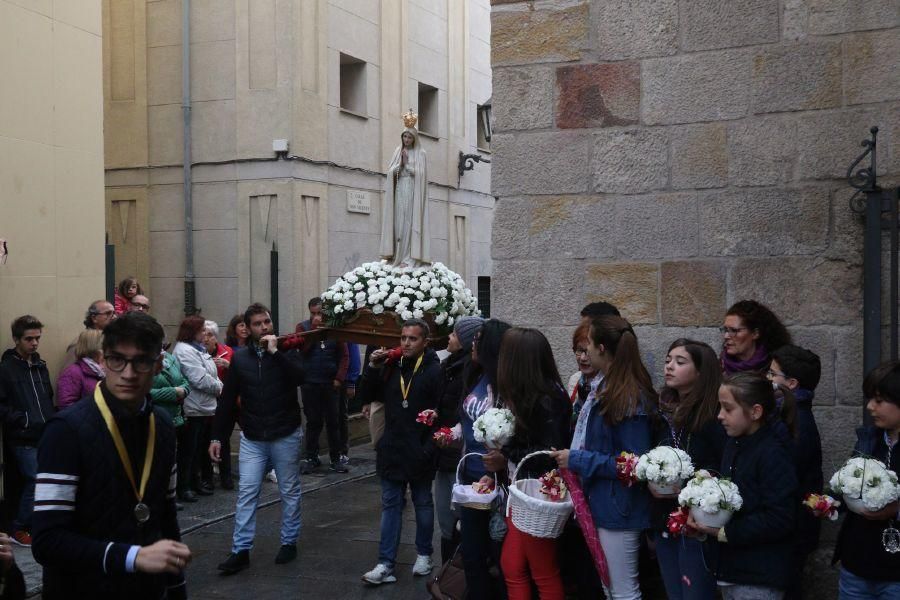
(51, 166)
(267, 69)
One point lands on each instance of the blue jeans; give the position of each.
(393, 499)
(852, 587)
(254, 458)
(26, 458)
(679, 558)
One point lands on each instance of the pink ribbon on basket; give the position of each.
(586, 522)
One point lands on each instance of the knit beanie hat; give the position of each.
(465, 329)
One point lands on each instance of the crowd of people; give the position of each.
(137, 427)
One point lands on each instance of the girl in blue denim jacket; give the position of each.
(615, 419)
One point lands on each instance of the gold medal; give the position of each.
(141, 510)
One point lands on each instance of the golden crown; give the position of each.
(410, 118)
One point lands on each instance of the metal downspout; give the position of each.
(189, 290)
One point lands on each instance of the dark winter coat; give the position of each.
(26, 397)
(267, 386)
(760, 545)
(406, 451)
(859, 546)
(808, 457)
(324, 361)
(549, 427)
(448, 407)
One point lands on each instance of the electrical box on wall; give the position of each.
(280, 146)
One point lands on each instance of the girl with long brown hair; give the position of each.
(616, 418)
(689, 403)
(529, 385)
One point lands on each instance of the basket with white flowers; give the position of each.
(866, 484)
(664, 468)
(386, 296)
(711, 500)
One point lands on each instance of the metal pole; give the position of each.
(273, 285)
(190, 296)
(110, 251)
(892, 196)
(872, 283)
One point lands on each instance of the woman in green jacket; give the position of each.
(170, 388)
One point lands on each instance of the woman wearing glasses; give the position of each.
(751, 333)
(200, 404)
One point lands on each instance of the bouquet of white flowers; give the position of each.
(409, 292)
(664, 468)
(495, 427)
(712, 500)
(866, 484)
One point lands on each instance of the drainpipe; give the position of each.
(189, 290)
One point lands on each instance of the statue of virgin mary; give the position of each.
(405, 238)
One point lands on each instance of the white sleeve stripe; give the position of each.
(105, 552)
(54, 491)
(60, 476)
(47, 507)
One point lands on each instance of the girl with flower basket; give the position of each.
(753, 551)
(615, 419)
(868, 545)
(530, 386)
(688, 403)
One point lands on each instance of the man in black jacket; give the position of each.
(266, 381)
(105, 522)
(406, 453)
(26, 402)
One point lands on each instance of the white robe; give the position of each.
(405, 234)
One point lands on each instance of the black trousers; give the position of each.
(320, 404)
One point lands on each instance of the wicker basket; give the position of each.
(464, 495)
(531, 513)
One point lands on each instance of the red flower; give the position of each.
(444, 433)
(677, 523)
(427, 417)
(625, 465)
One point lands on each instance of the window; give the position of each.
(428, 110)
(484, 296)
(483, 126)
(353, 85)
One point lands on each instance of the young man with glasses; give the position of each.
(140, 303)
(105, 521)
(266, 379)
(26, 402)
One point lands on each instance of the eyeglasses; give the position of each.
(579, 351)
(140, 364)
(731, 330)
(140, 307)
(772, 373)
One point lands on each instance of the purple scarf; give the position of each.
(758, 362)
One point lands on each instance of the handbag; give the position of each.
(450, 581)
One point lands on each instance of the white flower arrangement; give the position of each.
(710, 494)
(664, 466)
(407, 291)
(865, 481)
(495, 427)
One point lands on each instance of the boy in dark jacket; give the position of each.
(406, 452)
(26, 402)
(799, 370)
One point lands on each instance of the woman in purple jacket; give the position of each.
(81, 377)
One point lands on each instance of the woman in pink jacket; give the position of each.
(81, 377)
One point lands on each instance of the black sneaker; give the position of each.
(286, 554)
(309, 465)
(337, 467)
(235, 562)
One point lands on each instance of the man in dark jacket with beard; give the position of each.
(26, 402)
(406, 451)
(266, 380)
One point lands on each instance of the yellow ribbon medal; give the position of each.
(141, 510)
(404, 388)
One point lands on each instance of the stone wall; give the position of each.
(673, 157)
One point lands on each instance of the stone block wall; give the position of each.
(675, 156)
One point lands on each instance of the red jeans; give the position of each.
(526, 558)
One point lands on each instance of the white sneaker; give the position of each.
(271, 476)
(423, 565)
(380, 574)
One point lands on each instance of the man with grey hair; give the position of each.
(406, 454)
(221, 355)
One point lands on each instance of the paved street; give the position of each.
(338, 542)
